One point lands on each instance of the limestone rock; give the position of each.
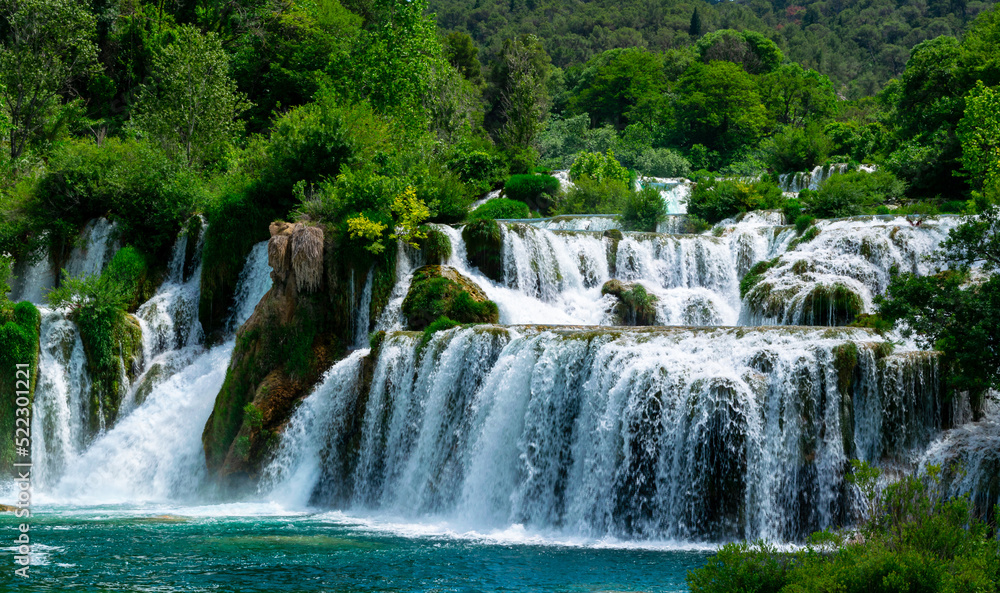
(440, 291)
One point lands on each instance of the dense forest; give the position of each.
(373, 118)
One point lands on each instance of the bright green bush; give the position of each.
(590, 196)
(600, 167)
(643, 210)
(715, 199)
(856, 192)
(662, 162)
(803, 222)
(797, 149)
(501, 208)
(537, 191)
(148, 194)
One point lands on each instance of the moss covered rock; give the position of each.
(300, 328)
(438, 291)
(483, 246)
(436, 247)
(113, 347)
(635, 306)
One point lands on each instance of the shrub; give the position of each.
(590, 196)
(253, 416)
(853, 193)
(436, 247)
(643, 210)
(148, 194)
(479, 169)
(502, 208)
(715, 199)
(537, 191)
(802, 223)
(599, 167)
(662, 162)
(797, 149)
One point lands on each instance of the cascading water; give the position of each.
(59, 412)
(796, 182)
(95, 248)
(849, 260)
(639, 434)
(253, 284)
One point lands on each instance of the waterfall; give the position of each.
(253, 284)
(796, 182)
(61, 404)
(407, 261)
(850, 258)
(363, 313)
(691, 434)
(33, 278)
(579, 222)
(674, 191)
(155, 453)
(95, 248)
(298, 462)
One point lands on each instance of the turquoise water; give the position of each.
(250, 548)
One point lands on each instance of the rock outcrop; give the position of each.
(440, 291)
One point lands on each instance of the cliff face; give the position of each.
(297, 331)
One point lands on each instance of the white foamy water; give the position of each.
(253, 284)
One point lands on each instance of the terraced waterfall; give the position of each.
(732, 414)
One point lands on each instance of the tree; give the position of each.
(954, 312)
(796, 96)
(190, 104)
(46, 47)
(519, 95)
(620, 86)
(979, 133)
(718, 106)
(756, 53)
(464, 56)
(694, 30)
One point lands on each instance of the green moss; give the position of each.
(755, 275)
(832, 305)
(501, 208)
(483, 246)
(802, 223)
(19, 329)
(635, 305)
(538, 192)
(432, 296)
(845, 361)
(436, 247)
(806, 237)
(112, 344)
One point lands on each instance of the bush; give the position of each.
(643, 210)
(802, 223)
(911, 539)
(149, 195)
(436, 247)
(797, 149)
(479, 169)
(662, 162)
(856, 192)
(715, 199)
(537, 191)
(599, 167)
(501, 208)
(590, 196)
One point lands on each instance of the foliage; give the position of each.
(46, 47)
(979, 133)
(436, 247)
(131, 179)
(803, 222)
(480, 169)
(954, 313)
(662, 162)
(751, 50)
(754, 275)
(518, 98)
(850, 194)
(537, 191)
(714, 199)
(434, 293)
(910, 539)
(599, 167)
(796, 149)
(190, 104)
(589, 196)
(643, 210)
(620, 86)
(500, 208)
(19, 345)
(718, 106)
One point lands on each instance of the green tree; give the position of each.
(519, 95)
(190, 106)
(754, 52)
(795, 96)
(955, 313)
(718, 106)
(694, 29)
(463, 54)
(621, 86)
(46, 48)
(979, 133)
